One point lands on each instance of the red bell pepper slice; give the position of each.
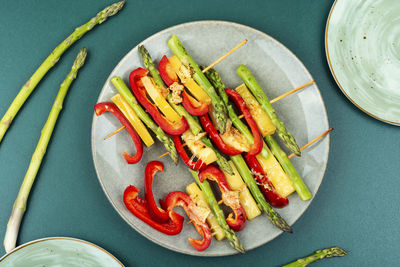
(216, 138)
(266, 186)
(155, 212)
(167, 73)
(214, 174)
(138, 90)
(199, 164)
(138, 207)
(194, 107)
(181, 199)
(239, 102)
(100, 108)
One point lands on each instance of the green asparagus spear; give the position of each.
(37, 157)
(258, 92)
(318, 255)
(50, 61)
(298, 183)
(219, 110)
(216, 81)
(130, 98)
(194, 125)
(248, 178)
(212, 202)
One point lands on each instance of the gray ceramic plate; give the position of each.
(59, 251)
(362, 42)
(277, 70)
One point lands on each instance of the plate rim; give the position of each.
(195, 253)
(337, 80)
(60, 238)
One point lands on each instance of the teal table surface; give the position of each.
(356, 208)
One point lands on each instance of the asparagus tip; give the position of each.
(80, 58)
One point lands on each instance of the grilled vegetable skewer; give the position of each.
(37, 157)
(50, 61)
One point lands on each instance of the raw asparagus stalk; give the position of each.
(194, 125)
(216, 81)
(259, 94)
(212, 202)
(298, 183)
(19, 206)
(318, 255)
(50, 61)
(218, 106)
(160, 134)
(248, 178)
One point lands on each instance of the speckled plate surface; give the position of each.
(59, 251)
(362, 42)
(277, 70)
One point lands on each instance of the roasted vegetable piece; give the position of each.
(218, 106)
(298, 183)
(216, 138)
(155, 212)
(257, 143)
(279, 178)
(265, 184)
(195, 213)
(318, 255)
(160, 134)
(237, 219)
(198, 148)
(247, 201)
(194, 107)
(261, 117)
(219, 214)
(100, 108)
(199, 198)
(259, 94)
(198, 165)
(248, 178)
(139, 208)
(133, 119)
(140, 94)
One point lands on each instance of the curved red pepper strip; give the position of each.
(266, 186)
(100, 108)
(214, 174)
(199, 164)
(181, 199)
(155, 213)
(216, 138)
(239, 102)
(138, 90)
(194, 107)
(166, 72)
(138, 207)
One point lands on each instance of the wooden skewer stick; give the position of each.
(220, 202)
(312, 141)
(115, 132)
(224, 56)
(291, 92)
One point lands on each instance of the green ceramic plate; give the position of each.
(362, 42)
(59, 251)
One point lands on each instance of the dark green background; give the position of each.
(357, 204)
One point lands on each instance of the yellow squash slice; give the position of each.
(282, 183)
(159, 100)
(198, 197)
(247, 201)
(187, 80)
(261, 117)
(198, 148)
(133, 119)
